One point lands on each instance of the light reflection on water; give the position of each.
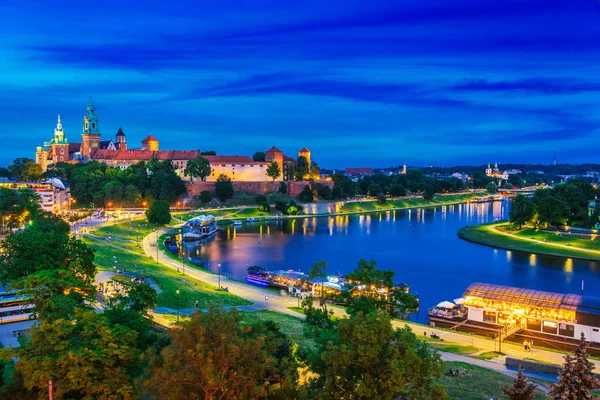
(420, 245)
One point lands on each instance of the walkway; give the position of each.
(266, 299)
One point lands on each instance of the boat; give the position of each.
(237, 222)
(258, 276)
(171, 244)
(199, 227)
(252, 219)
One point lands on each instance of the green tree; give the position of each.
(429, 191)
(576, 380)
(521, 210)
(306, 195)
(44, 263)
(368, 359)
(319, 272)
(158, 213)
(215, 355)
(491, 188)
(224, 188)
(273, 171)
(551, 210)
(25, 169)
(324, 192)
(314, 171)
(263, 203)
(205, 197)
(508, 186)
(301, 169)
(208, 153)
(521, 389)
(85, 357)
(259, 156)
(397, 190)
(198, 168)
(282, 188)
(18, 207)
(375, 190)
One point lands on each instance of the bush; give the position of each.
(293, 208)
(158, 213)
(205, 196)
(224, 188)
(281, 206)
(397, 190)
(307, 195)
(282, 187)
(381, 199)
(324, 192)
(491, 188)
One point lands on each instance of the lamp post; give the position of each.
(177, 291)
(219, 276)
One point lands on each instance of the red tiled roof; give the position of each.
(288, 158)
(234, 160)
(273, 150)
(304, 150)
(358, 171)
(74, 147)
(149, 139)
(144, 155)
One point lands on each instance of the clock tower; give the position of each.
(90, 133)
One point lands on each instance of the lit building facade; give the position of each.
(54, 193)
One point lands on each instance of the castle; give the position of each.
(117, 154)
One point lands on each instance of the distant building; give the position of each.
(358, 172)
(462, 176)
(495, 172)
(54, 193)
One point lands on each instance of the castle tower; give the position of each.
(274, 154)
(121, 140)
(41, 157)
(404, 169)
(305, 153)
(59, 144)
(150, 144)
(90, 133)
(488, 170)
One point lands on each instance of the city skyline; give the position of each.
(373, 84)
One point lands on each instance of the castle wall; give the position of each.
(264, 187)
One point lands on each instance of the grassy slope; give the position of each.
(131, 257)
(575, 247)
(483, 383)
(288, 324)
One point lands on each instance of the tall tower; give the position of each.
(305, 153)
(121, 140)
(404, 169)
(150, 143)
(90, 133)
(59, 144)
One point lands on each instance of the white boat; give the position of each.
(199, 227)
(237, 222)
(252, 219)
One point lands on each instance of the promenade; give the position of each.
(267, 299)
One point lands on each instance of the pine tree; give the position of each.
(521, 389)
(576, 380)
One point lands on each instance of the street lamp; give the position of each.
(177, 291)
(219, 276)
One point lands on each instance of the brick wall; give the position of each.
(294, 188)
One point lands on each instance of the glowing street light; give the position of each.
(177, 291)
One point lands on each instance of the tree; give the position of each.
(25, 169)
(208, 153)
(576, 380)
(306, 195)
(314, 171)
(429, 192)
(85, 357)
(397, 190)
(551, 210)
(259, 156)
(282, 188)
(374, 190)
(224, 188)
(18, 207)
(491, 188)
(158, 213)
(273, 171)
(263, 203)
(198, 168)
(368, 359)
(521, 210)
(302, 169)
(521, 389)
(319, 271)
(324, 191)
(44, 263)
(215, 355)
(205, 197)
(508, 185)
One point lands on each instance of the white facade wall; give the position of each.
(241, 172)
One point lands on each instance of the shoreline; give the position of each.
(492, 234)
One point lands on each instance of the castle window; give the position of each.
(62, 151)
(93, 124)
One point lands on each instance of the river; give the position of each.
(420, 245)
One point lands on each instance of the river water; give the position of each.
(420, 245)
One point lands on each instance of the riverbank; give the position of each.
(500, 235)
(349, 208)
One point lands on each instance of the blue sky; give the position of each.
(374, 83)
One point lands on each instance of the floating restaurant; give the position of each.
(526, 312)
(15, 308)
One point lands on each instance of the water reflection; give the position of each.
(420, 245)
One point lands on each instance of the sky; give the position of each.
(360, 83)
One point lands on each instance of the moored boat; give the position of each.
(199, 227)
(258, 276)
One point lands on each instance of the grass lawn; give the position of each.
(367, 206)
(499, 235)
(453, 348)
(186, 216)
(168, 280)
(482, 385)
(489, 355)
(289, 325)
